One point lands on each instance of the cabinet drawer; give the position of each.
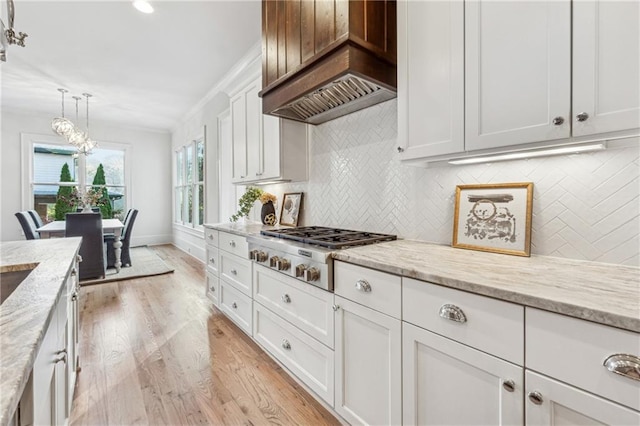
(573, 351)
(311, 361)
(305, 306)
(234, 244)
(493, 326)
(374, 289)
(213, 288)
(236, 271)
(211, 237)
(212, 259)
(236, 306)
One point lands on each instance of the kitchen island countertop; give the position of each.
(599, 292)
(26, 313)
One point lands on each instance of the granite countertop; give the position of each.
(604, 293)
(26, 313)
(243, 229)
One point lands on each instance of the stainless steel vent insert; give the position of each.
(330, 101)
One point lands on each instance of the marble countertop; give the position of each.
(26, 313)
(243, 229)
(604, 293)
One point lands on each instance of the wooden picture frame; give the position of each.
(289, 212)
(494, 218)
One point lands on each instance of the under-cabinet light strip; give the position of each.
(530, 154)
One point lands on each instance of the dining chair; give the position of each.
(125, 239)
(36, 218)
(89, 227)
(28, 226)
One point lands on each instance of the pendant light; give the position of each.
(61, 125)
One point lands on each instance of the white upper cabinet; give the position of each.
(265, 148)
(430, 78)
(491, 76)
(517, 72)
(606, 66)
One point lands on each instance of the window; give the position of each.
(47, 155)
(189, 189)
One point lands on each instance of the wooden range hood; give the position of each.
(323, 59)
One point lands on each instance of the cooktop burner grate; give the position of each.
(331, 238)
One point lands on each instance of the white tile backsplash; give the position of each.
(586, 206)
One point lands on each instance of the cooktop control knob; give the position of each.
(261, 256)
(312, 274)
(300, 270)
(283, 264)
(253, 253)
(273, 262)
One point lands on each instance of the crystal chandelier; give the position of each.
(8, 36)
(72, 133)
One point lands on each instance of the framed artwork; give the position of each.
(494, 218)
(290, 208)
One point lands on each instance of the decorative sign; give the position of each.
(290, 208)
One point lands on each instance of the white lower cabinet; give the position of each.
(308, 359)
(236, 306)
(550, 402)
(368, 365)
(213, 288)
(445, 382)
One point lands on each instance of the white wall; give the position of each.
(586, 206)
(150, 174)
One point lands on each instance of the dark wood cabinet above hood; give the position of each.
(322, 59)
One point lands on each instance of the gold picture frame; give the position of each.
(290, 210)
(494, 218)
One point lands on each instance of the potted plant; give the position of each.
(246, 203)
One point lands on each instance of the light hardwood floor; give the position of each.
(154, 351)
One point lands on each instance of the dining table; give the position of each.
(109, 226)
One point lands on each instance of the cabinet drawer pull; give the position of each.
(452, 313)
(210, 236)
(213, 289)
(363, 286)
(74, 272)
(286, 345)
(212, 260)
(583, 116)
(232, 243)
(509, 385)
(335, 308)
(285, 298)
(74, 296)
(234, 272)
(535, 397)
(558, 121)
(63, 356)
(234, 305)
(625, 365)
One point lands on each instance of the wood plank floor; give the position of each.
(155, 351)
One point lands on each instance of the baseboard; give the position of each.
(151, 240)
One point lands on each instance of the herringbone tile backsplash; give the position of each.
(586, 206)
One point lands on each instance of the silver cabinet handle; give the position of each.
(79, 258)
(558, 121)
(212, 288)
(74, 272)
(74, 296)
(285, 298)
(400, 149)
(583, 116)
(452, 313)
(286, 345)
(362, 285)
(258, 174)
(509, 385)
(624, 364)
(63, 356)
(234, 305)
(232, 243)
(212, 260)
(535, 397)
(210, 236)
(234, 272)
(336, 307)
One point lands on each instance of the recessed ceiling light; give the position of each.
(143, 6)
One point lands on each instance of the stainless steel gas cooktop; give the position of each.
(304, 253)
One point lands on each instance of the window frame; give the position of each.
(184, 183)
(28, 140)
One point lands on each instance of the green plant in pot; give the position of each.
(246, 203)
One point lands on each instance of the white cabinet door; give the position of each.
(368, 365)
(239, 137)
(254, 130)
(606, 66)
(271, 147)
(430, 78)
(517, 72)
(445, 382)
(549, 402)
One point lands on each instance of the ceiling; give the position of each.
(145, 71)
